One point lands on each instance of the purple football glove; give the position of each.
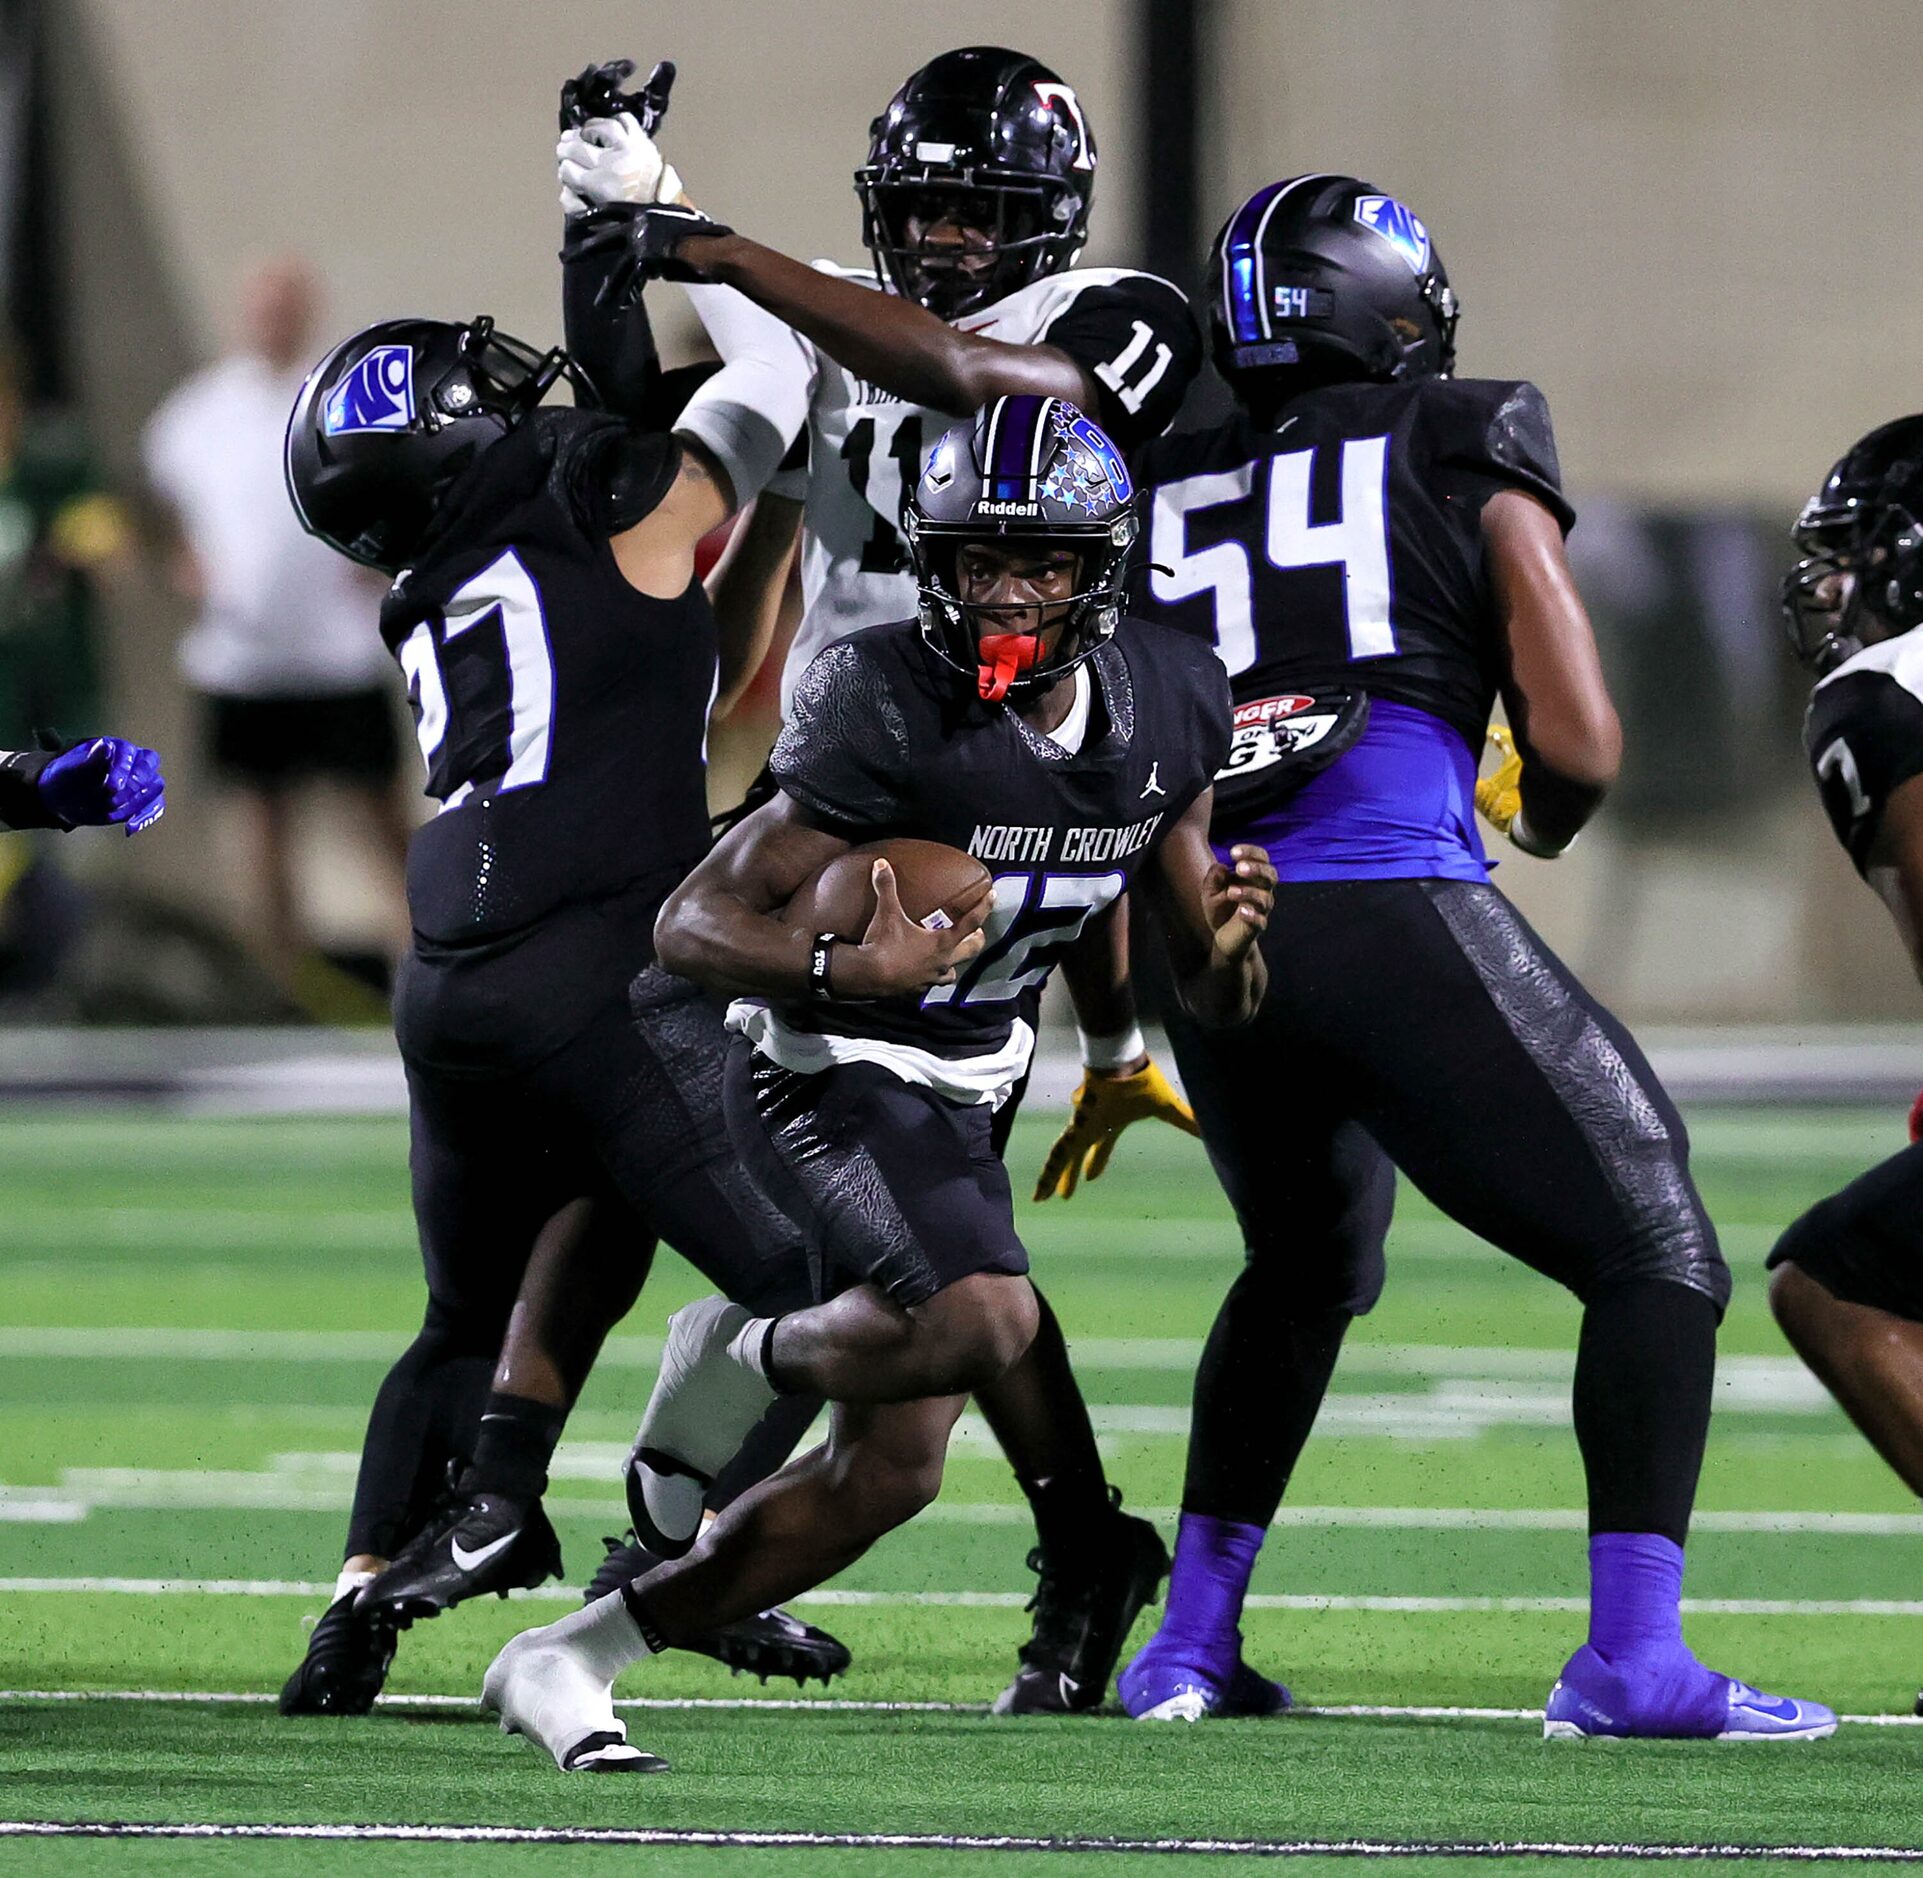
(107, 780)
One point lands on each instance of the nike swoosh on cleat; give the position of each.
(467, 1561)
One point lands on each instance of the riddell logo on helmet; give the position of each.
(1008, 508)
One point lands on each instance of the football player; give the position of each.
(975, 203)
(1013, 716)
(100, 782)
(1846, 1288)
(1375, 549)
(545, 614)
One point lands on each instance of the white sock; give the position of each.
(748, 1347)
(603, 1635)
(350, 1581)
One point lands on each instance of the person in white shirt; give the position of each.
(285, 651)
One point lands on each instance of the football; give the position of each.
(931, 877)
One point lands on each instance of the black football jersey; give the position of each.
(883, 741)
(1342, 549)
(562, 714)
(1864, 735)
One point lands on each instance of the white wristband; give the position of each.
(1520, 836)
(1116, 1052)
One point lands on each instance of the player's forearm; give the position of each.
(611, 344)
(1555, 809)
(20, 803)
(883, 338)
(1096, 971)
(712, 936)
(1225, 992)
(746, 590)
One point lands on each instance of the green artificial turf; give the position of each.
(163, 1462)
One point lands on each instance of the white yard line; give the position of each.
(1009, 1600)
(963, 1842)
(322, 1482)
(830, 1705)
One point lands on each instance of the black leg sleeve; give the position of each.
(1263, 1375)
(1645, 1369)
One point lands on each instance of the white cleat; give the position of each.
(540, 1687)
(703, 1406)
(1191, 1705)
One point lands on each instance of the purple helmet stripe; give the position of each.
(1245, 283)
(1013, 444)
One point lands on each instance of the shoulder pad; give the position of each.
(844, 752)
(1498, 428)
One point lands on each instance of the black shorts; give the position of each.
(348, 736)
(1423, 1022)
(891, 1183)
(626, 1112)
(1865, 1244)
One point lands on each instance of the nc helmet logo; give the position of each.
(378, 394)
(1398, 225)
(1096, 442)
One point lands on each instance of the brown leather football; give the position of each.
(930, 877)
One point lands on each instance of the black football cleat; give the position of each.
(347, 1660)
(477, 1543)
(771, 1643)
(1084, 1609)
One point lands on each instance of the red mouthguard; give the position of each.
(1004, 656)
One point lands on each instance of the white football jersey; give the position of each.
(1132, 332)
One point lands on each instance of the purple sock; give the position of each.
(1214, 1559)
(1635, 1595)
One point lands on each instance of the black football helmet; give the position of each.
(990, 139)
(1327, 277)
(391, 417)
(1862, 540)
(1037, 471)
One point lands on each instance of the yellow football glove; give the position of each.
(1103, 1107)
(1499, 794)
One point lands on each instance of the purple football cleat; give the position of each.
(1172, 1679)
(1667, 1694)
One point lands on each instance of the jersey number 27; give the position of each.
(461, 753)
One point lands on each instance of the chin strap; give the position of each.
(1004, 657)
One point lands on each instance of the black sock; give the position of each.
(638, 1610)
(1261, 1380)
(1071, 1512)
(516, 1443)
(1645, 1370)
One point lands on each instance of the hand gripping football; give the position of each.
(937, 885)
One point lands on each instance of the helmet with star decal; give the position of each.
(1035, 473)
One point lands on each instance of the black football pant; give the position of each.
(1864, 1245)
(1423, 1023)
(627, 1113)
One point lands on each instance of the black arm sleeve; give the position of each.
(1499, 432)
(843, 754)
(612, 346)
(1864, 736)
(20, 804)
(1137, 339)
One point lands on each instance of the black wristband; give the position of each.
(818, 985)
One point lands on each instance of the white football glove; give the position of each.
(612, 159)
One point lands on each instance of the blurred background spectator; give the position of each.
(294, 684)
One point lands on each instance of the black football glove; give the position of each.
(648, 237)
(597, 92)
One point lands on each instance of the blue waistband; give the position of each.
(1400, 805)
